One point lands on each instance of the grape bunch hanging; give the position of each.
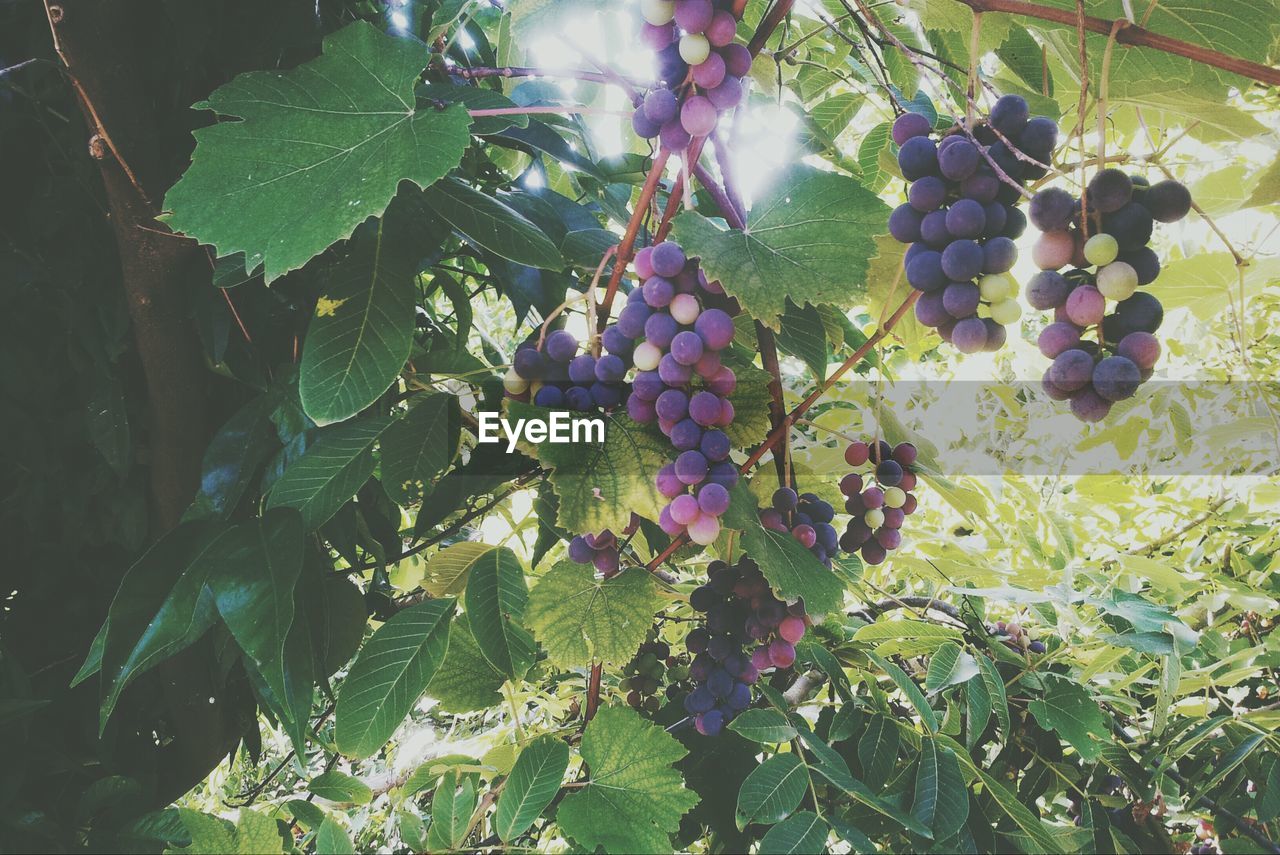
(699, 67)
(879, 499)
(807, 518)
(1109, 259)
(651, 667)
(961, 218)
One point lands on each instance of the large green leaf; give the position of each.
(531, 786)
(810, 238)
(465, 680)
(792, 570)
(802, 832)
(491, 224)
(530, 18)
(495, 603)
(1042, 836)
(1067, 708)
(772, 790)
(362, 331)
(634, 799)
(314, 152)
(580, 619)
(332, 839)
(417, 448)
(600, 484)
(761, 725)
(330, 472)
(233, 457)
(950, 665)
(389, 675)
(908, 688)
(941, 799)
(450, 568)
(161, 607)
(451, 809)
(878, 749)
(257, 566)
(340, 787)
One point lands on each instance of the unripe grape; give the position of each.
(685, 309)
(1006, 312)
(895, 497)
(514, 383)
(698, 115)
(1086, 306)
(1101, 249)
(647, 356)
(1053, 250)
(874, 518)
(1117, 281)
(694, 48)
(658, 12)
(996, 286)
(704, 530)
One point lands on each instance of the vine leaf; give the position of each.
(532, 784)
(600, 484)
(1067, 708)
(579, 618)
(314, 152)
(391, 672)
(811, 238)
(792, 570)
(634, 799)
(362, 330)
(495, 601)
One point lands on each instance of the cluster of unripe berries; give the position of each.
(878, 499)
(699, 66)
(739, 609)
(651, 667)
(807, 518)
(1016, 636)
(681, 384)
(961, 218)
(599, 550)
(1110, 260)
(555, 375)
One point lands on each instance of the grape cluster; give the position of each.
(1111, 264)
(878, 501)
(807, 518)
(1015, 636)
(681, 384)
(556, 376)
(652, 666)
(961, 219)
(699, 65)
(599, 550)
(740, 609)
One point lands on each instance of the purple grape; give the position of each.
(672, 405)
(713, 499)
(644, 264)
(674, 137)
(579, 398)
(691, 467)
(710, 72)
(904, 223)
(668, 259)
(704, 408)
(926, 195)
(930, 309)
(661, 106)
(660, 329)
(933, 229)
(969, 335)
(925, 272)
(1168, 201)
(640, 410)
(580, 552)
(966, 219)
(528, 363)
(669, 526)
(999, 254)
(961, 299)
(686, 435)
(1142, 348)
(894, 517)
(606, 562)
(1039, 138)
(686, 347)
(1050, 388)
(996, 335)
(631, 320)
(917, 158)
(658, 292)
(694, 16)
(1116, 378)
(997, 218)
(722, 29)
(1131, 226)
(1071, 370)
(709, 365)
(872, 498)
(1145, 263)
(958, 160)
(889, 473)
(657, 37)
(910, 125)
(1058, 338)
(728, 94)
(724, 473)
(962, 260)
(715, 327)
(1009, 115)
(647, 385)
(606, 395)
(1048, 289)
(1086, 306)
(615, 342)
(889, 538)
(699, 701)
(723, 382)
(710, 723)
(1052, 209)
(644, 127)
(1089, 406)
(549, 396)
(698, 116)
(715, 445)
(1109, 190)
(1016, 223)
(671, 67)
(737, 59)
(610, 369)
(667, 482)
(980, 187)
(673, 373)
(1140, 313)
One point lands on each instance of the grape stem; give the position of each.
(626, 248)
(509, 71)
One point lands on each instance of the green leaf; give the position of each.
(314, 152)
(306, 813)
(451, 809)
(1067, 708)
(949, 666)
(332, 839)
(994, 684)
(531, 18)
(1043, 837)
(495, 603)
(258, 564)
(977, 710)
(450, 568)
(772, 790)
(1267, 803)
(474, 98)
(634, 799)
(760, 725)
(233, 457)
(340, 787)
(802, 334)
(792, 570)
(878, 750)
(941, 798)
(465, 680)
(600, 484)
(578, 618)
(161, 607)
(361, 332)
(210, 835)
(883, 630)
(812, 230)
(802, 832)
(491, 224)
(874, 144)
(337, 617)
(908, 687)
(1267, 191)
(336, 465)
(532, 784)
(389, 676)
(257, 834)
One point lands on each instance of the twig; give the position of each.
(536, 111)
(11, 69)
(1080, 122)
(627, 245)
(509, 71)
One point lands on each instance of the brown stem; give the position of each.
(593, 692)
(777, 404)
(772, 19)
(1134, 35)
(628, 244)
